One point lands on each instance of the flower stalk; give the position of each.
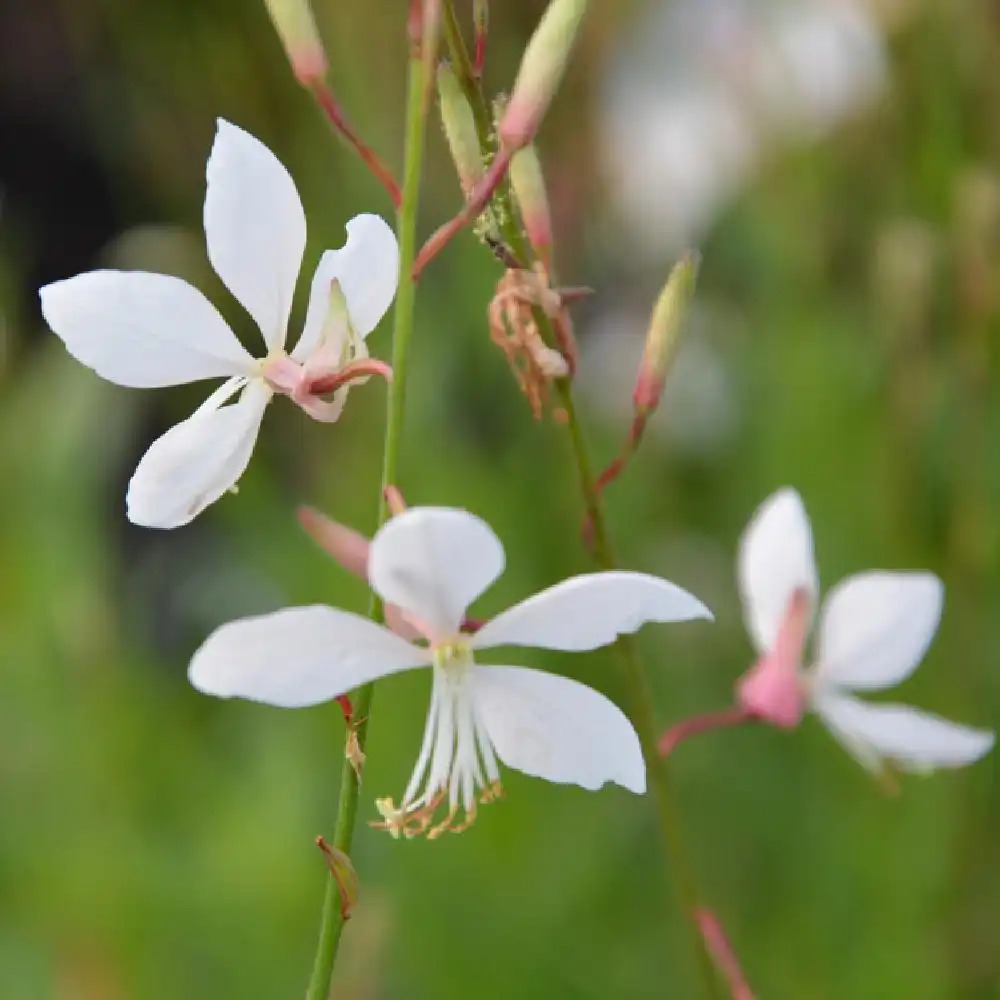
(295, 24)
(640, 697)
(332, 920)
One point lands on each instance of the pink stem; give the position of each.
(474, 207)
(735, 716)
(338, 120)
(723, 954)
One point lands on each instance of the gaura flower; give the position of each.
(148, 330)
(873, 630)
(432, 563)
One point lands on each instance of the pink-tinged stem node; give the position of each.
(723, 954)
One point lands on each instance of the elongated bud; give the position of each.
(664, 334)
(481, 22)
(296, 27)
(528, 181)
(460, 130)
(541, 71)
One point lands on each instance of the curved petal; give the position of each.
(299, 656)
(913, 740)
(434, 562)
(875, 628)
(775, 560)
(367, 267)
(142, 330)
(588, 611)
(553, 728)
(255, 228)
(196, 461)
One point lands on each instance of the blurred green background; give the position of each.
(155, 843)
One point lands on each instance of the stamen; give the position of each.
(456, 762)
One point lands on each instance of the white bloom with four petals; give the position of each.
(873, 631)
(147, 330)
(432, 563)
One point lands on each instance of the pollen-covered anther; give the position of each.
(408, 822)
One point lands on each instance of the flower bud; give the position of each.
(664, 334)
(296, 27)
(542, 68)
(460, 130)
(481, 23)
(528, 183)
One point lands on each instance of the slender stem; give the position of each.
(737, 715)
(332, 920)
(640, 696)
(724, 954)
(338, 122)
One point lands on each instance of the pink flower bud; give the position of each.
(460, 130)
(296, 27)
(664, 334)
(541, 72)
(528, 183)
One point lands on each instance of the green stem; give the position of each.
(332, 920)
(641, 703)
(640, 696)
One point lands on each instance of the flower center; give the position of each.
(456, 763)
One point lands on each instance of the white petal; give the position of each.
(196, 461)
(875, 627)
(776, 559)
(913, 740)
(588, 611)
(367, 267)
(299, 656)
(255, 228)
(434, 562)
(554, 728)
(142, 330)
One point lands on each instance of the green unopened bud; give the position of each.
(528, 182)
(460, 129)
(541, 72)
(296, 27)
(664, 333)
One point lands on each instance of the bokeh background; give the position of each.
(838, 163)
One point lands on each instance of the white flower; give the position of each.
(873, 630)
(148, 330)
(432, 563)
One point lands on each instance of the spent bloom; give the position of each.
(873, 630)
(148, 330)
(431, 563)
